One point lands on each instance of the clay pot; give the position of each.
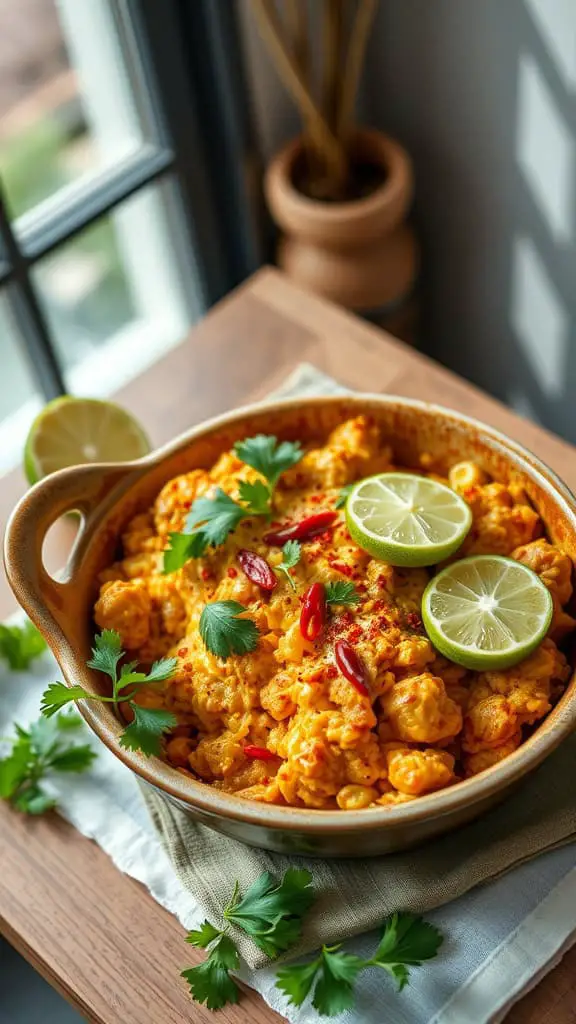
(359, 253)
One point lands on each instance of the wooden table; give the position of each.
(93, 933)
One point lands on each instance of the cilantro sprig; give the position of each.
(407, 941)
(292, 553)
(270, 913)
(211, 520)
(224, 632)
(149, 724)
(35, 753)
(20, 645)
(268, 456)
(341, 592)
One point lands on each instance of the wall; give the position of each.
(483, 93)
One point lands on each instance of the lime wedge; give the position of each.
(405, 519)
(486, 612)
(72, 431)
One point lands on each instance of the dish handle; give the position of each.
(47, 601)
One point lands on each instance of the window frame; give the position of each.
(193, 107)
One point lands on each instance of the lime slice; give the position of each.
(72, 431)
(405, 519)
(486, 612)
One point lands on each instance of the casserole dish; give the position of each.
(108, 496)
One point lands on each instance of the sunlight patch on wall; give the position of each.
(539, 319)
(545, 150)
(554, 19)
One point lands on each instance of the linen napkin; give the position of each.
(354, 896)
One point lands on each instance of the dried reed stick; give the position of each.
(331, 48)
(326, 144)
(298, 35)
(353, 64)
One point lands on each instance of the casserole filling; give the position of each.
(341, 702)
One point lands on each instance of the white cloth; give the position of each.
(500, 939)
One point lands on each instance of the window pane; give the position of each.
(66, 104)
(119, 294)
(19, 399)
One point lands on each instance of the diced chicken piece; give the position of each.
(125, 607)
(419, 710)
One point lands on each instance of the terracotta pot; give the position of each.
(360, 253)
(108, 496)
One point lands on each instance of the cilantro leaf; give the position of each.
(292, 553)
(161, 670)
(210, 983)
(407, 940)
(145, 732)
(224, 952)
(43, 737)
(277, 937)
(256, 496)
(181, 548)
(74, 759)
(106, 653)
(128, 677)
(263, 911)
(57, 695)
(20, 645)
(14, 768)
(296, 980)
(341, 592)
(224, 632)
(268, 456)
(33, 800)
(203, 935)
(69, 720)
(334, 991)
(332, 974)
(343, 496)
(215, 517)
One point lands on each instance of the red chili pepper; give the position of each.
(257, 569)
(258, 753)
(309, 527)
(351, 666)
(313, 614)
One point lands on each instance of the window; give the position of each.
(110, 242)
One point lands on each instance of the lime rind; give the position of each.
(406, 519)
(486, 612)
(75, 431)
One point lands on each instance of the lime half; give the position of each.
(72, 431)
(405, 519)
(486, 612)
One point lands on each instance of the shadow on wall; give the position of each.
(484, 96)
